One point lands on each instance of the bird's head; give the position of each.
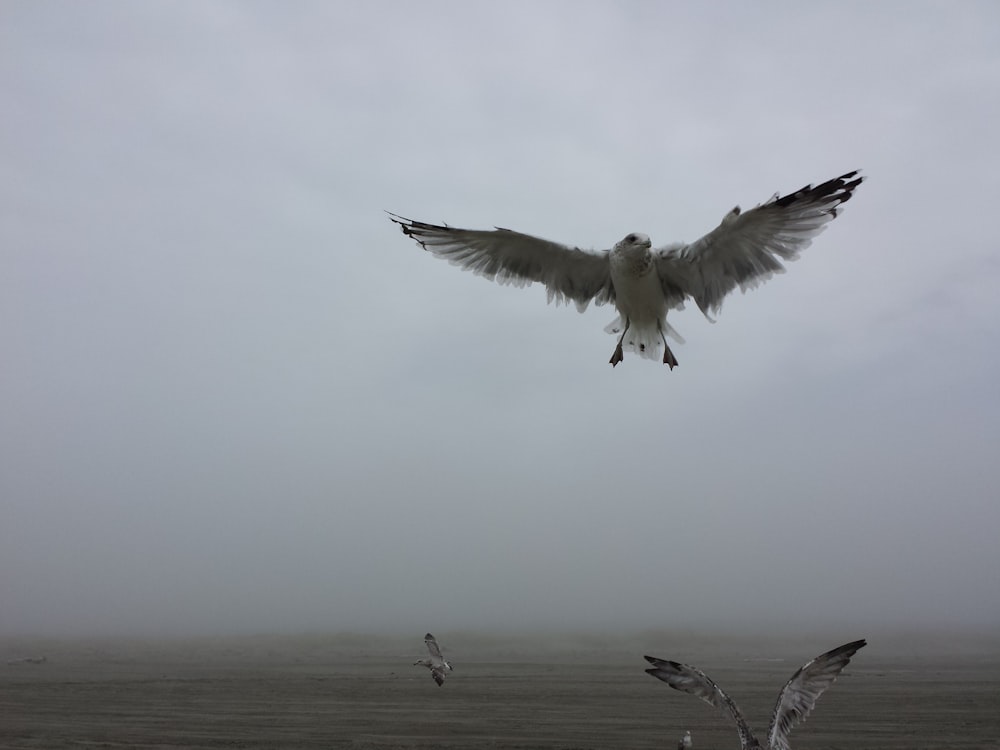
(636, 239)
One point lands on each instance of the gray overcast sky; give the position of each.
(234, 397)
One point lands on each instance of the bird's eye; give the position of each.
(630, 238)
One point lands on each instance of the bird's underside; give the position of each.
(643, 342)
(644, 283)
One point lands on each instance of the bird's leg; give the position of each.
(668, 356)
(618, 356)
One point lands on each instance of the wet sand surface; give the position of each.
(325, 691)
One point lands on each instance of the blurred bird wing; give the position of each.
(688, 679)
(748, 248)
(508, 257)
(432, 646)
(799, 695)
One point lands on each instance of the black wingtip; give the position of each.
(404, 224)
(847, 649)
(839, 188)
(661, 663)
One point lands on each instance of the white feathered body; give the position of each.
(639, 298)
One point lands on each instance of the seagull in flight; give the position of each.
(795, 701)
(436, 663)
(644, 283)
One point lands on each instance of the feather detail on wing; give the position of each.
(432, 646)
(688, 679)
(798, 698)
(509, 257)
(748, 248)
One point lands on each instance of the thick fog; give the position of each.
(235, 398)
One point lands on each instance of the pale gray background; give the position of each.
(235, 398)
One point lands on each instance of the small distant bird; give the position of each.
(685, 743)
(795, 701)
(29, 660)
(644, 283)
(436, 663)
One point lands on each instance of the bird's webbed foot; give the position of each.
(668, 357)
(618, 356)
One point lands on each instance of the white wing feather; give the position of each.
(432, 646)
(691, 680)
(509, 257)
(799, 695)
(748, 248)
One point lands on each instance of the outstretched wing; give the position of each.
(800, 693)
(507, 257)
(748, 248)
(687, 679)
(432, 646)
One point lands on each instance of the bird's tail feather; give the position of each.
(644, 340)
